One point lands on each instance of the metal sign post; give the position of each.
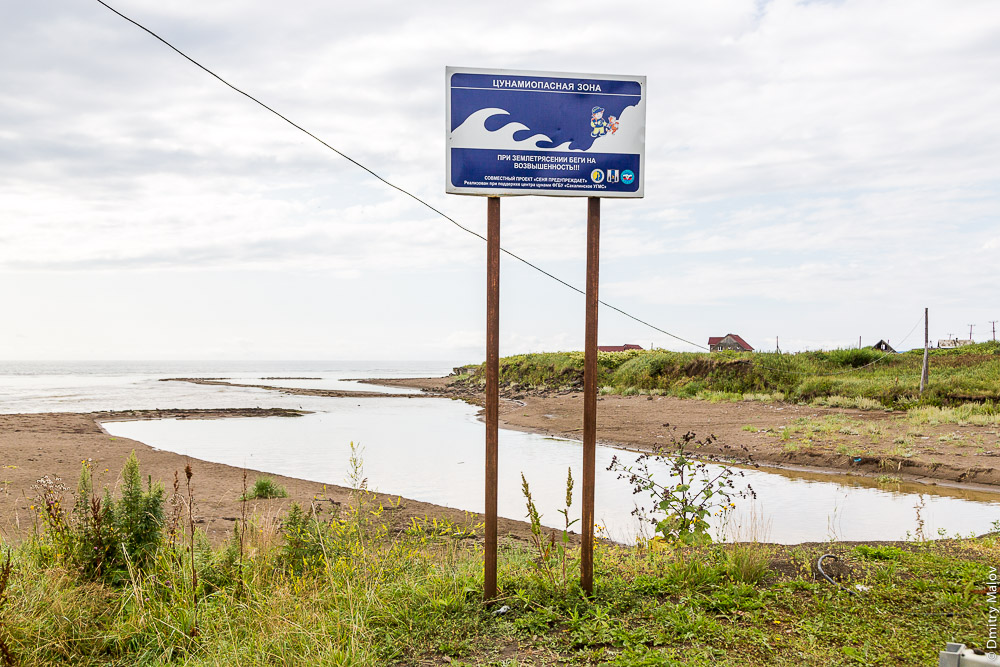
(590, 396)
(492, 389)
(516, 132)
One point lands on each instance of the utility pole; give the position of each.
(859, 342)
(776, 345)
(970, 332)
(924, 374)
(994, 323)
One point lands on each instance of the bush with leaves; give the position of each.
(103, 536)
(303, 535)
(692, 491)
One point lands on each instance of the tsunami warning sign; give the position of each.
(512, 132)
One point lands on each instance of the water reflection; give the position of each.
(432, 450)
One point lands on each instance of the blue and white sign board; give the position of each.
(513, 132)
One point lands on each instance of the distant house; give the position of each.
(953, 342)
(728, 342)
(617, 348)
(883, 346)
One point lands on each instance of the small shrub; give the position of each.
(303, 535)
(692, 493)
(103, 537)
(879, 552)
(263, 489)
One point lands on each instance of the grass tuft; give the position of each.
(265, 488)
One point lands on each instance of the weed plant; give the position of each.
(553, 556)
(101, 536)
(688, 493)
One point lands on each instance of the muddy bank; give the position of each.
(55, 444)
(300, 391)
(871, 443)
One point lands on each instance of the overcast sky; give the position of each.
(815, 171)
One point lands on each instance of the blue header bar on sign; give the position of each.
(505, 136)
(546, 84)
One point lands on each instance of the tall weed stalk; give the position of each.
(552, 555)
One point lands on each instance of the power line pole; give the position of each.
(994, 323)
(924, 373)
(970, 332)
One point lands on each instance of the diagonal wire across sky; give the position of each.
(442, 213)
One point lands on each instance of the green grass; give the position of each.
(862, 379)
(264, 488)
(385, 598)
(360, 586)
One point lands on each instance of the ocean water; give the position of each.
(433, 449)
(137, 385)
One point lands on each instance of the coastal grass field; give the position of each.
(126, 578)
(966, 377)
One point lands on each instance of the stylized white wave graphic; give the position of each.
(472, 133)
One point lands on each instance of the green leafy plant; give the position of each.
(138, 515)
(103, 536)
(692, 492)
(879, 552)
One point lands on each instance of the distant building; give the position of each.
(728, 342)
(883, 346)
(617, 348)
(953, 342)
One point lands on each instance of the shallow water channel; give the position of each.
(433, 450)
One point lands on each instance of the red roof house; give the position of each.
(728, 342)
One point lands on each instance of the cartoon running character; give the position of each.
(612, 124)
(597, 123)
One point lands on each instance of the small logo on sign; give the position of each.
(612, 176)
(597, 176)
(628, 177)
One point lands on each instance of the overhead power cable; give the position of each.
(430, 206)
(391, 184)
